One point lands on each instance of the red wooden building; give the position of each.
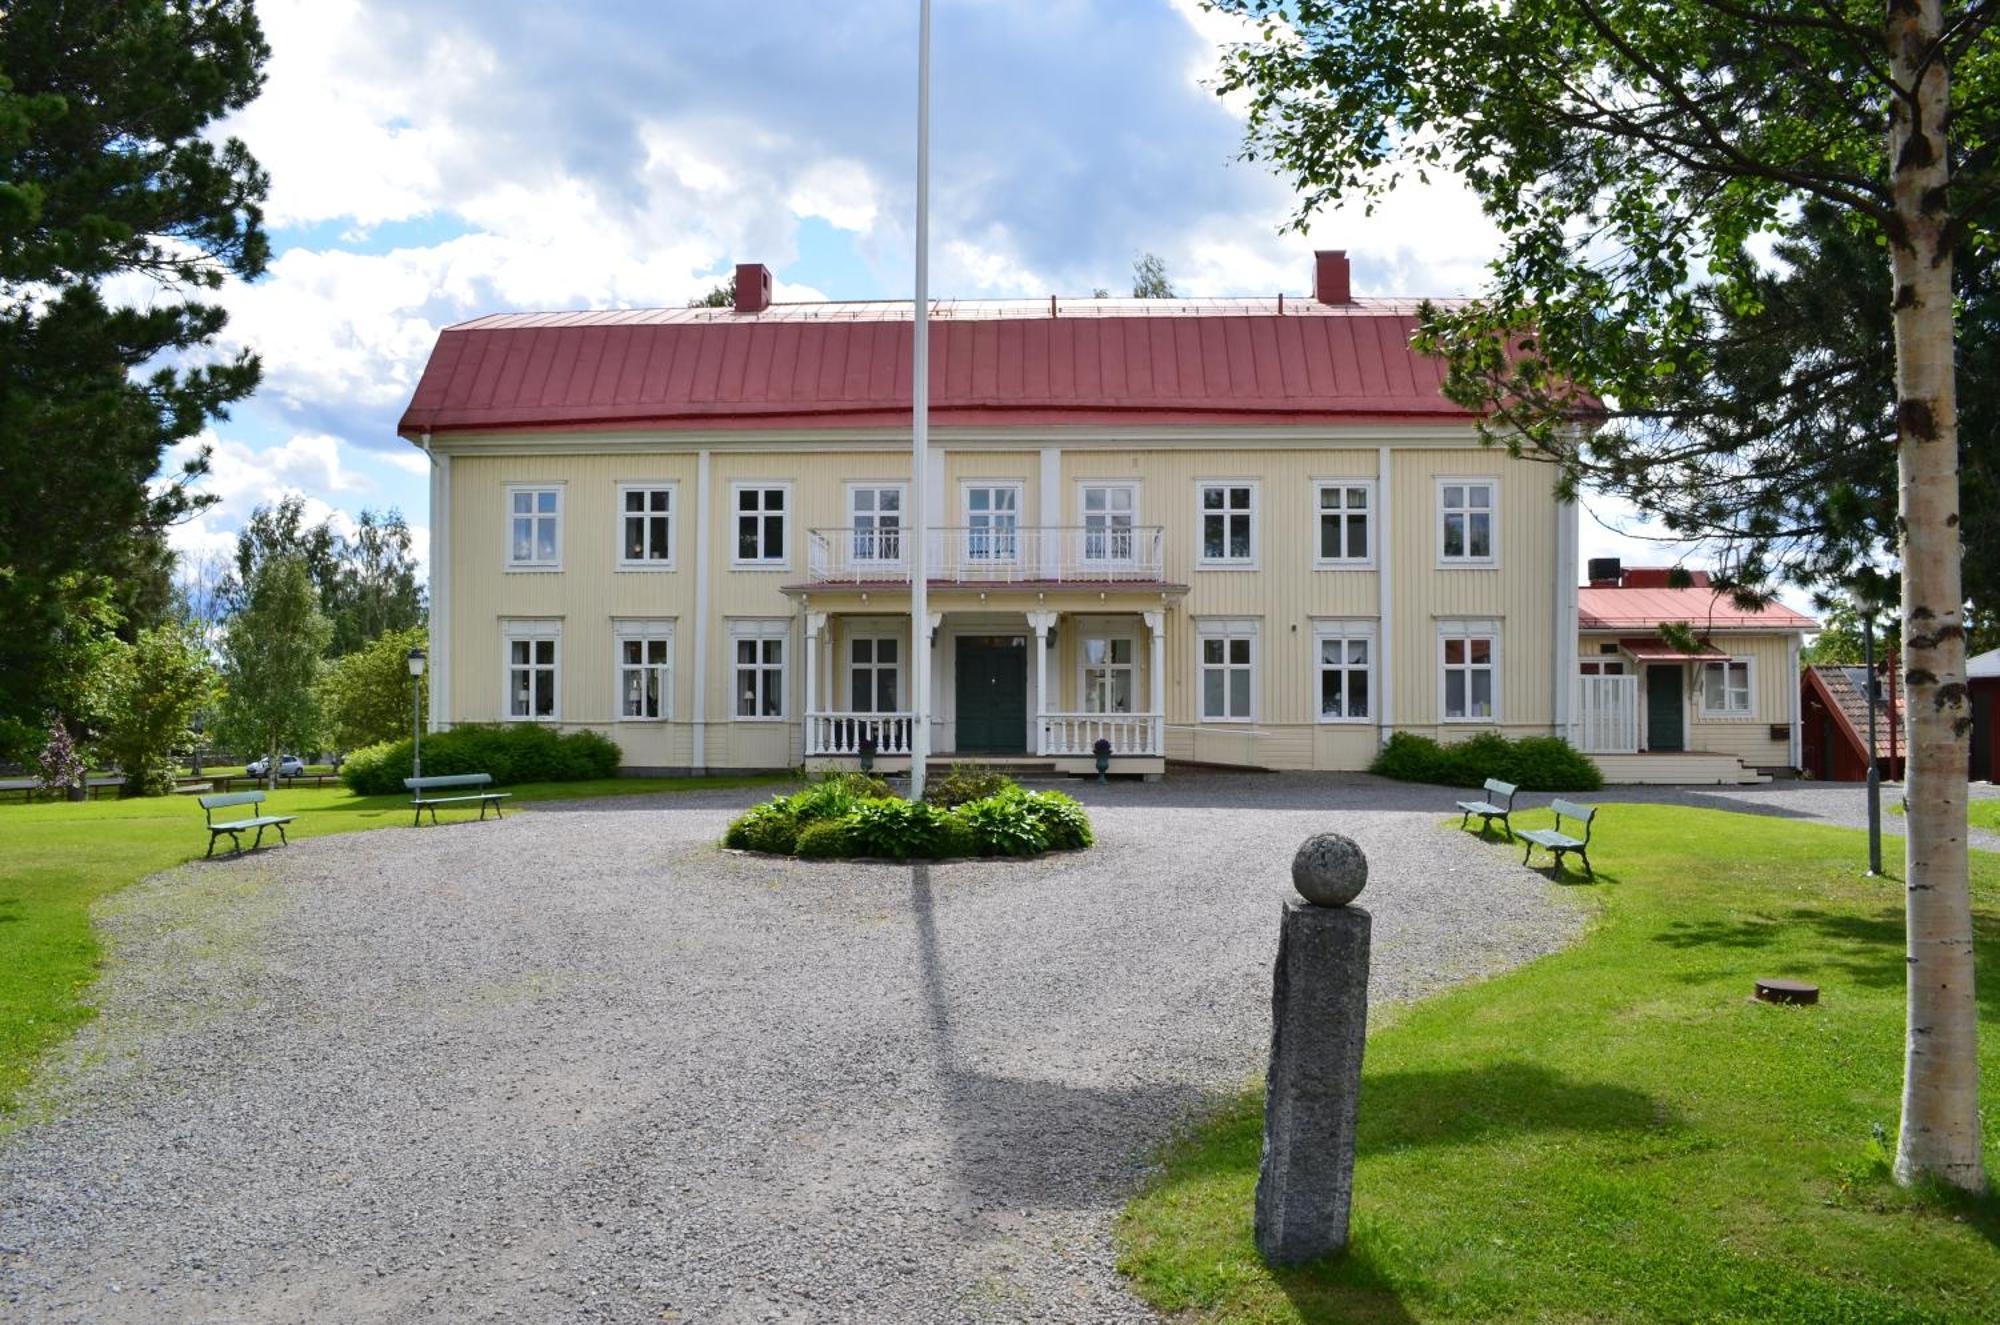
(1834, 730)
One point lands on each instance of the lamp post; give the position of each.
(416, 661)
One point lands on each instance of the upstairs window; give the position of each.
(645, 681)
(534, 528)
(646, 527)
(993, 522)
(1726, 690)
(876, 516)
(1109, 510)
(761, 512)
(1466, 519)
(1345, 513)
(1228, 524)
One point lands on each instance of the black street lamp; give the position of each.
(416, 661)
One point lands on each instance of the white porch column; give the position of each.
(1156, 677)
(815, 623)
(1048, 513)
(1041, 623)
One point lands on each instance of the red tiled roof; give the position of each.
(1700, 609)
(848, 365)
(1843, 689)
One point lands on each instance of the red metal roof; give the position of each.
(1701, 609)
(848, 365)
(1656, 649)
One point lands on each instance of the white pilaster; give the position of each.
(815, 623)
(440, 587)
(1041, 623)
(1156, 679)
(698, 710)
(1567, 539)
(1385, 609)
(1048, 513)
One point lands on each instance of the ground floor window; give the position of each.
(760, 667)
(1108, 672)
(873, 664)
(1725, 689)
(533, 657)
(1346, 666)
(1469, 653)
(1227, 661)
(1601, 667)
(645, 651)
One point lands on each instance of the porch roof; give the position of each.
(1655, 649)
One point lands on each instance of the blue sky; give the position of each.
(433, 160)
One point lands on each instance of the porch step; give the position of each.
(1692, 768)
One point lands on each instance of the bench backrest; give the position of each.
(227, 799)
(1503, 789)
(1571, 810)
(448, 780)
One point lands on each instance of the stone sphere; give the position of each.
(1329, 870)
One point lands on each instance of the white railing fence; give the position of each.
(842, 733)
(1078, 733)
(1607, 714)
(996, 553)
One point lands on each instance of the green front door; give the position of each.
(992, 689)
(1665, 731)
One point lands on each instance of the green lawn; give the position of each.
(58, 858)
(1616, 1132)
(1981, 812)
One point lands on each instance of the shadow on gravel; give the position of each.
(1038, 1143)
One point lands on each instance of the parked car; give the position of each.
(289, 766)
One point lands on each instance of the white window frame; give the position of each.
(1492, 559)
(642, 630)
(530, 630)
(856, 542)
(533, 489)
(1019, 488)
(1469, 630)
(1084, 668)
(783, 560)
(1596, 666)
(876, 636)
(673, 517)
(1084, 488)
(761, 629)
(1321, 486)
(1328, 630)
(1201, 513)
(1226, 629)
(1748, 713)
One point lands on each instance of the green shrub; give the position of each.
(894, 829)
(826, 839)
(862, 786)
(512, 753)
(768, 827)
(1063, 823)
(966, 782)
(1008, 824)
(955, 837)
(1534, 763)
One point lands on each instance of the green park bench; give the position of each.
(451, 782)
(1557, 842)
(237, 827)
(1501, 807)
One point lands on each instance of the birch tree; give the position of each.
(1636, 155)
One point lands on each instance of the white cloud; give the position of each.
(838, 192)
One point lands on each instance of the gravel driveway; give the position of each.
(582, 1066)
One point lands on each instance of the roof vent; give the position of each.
(753, 287)
(1331, 281)
(1605, 572)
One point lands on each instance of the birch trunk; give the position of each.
(1939, 1139)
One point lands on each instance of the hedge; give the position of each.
(517, 752)
(1533, 763)
(847, 815)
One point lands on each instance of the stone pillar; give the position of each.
(1319, 1021)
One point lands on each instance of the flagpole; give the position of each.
(920, 406)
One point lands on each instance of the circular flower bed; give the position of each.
(968, 813)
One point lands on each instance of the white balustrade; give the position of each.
(1078, 733)
(843, 733)
(991, 554)
(1607, 714)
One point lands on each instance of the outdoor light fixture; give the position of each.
(416, 662)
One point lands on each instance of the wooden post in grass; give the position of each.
(1319, 1020)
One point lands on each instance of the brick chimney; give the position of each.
(1331, 283)
(753, 287)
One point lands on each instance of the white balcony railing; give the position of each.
(1607, 714)
(1078, 733)
(843, 733)
(989, 554)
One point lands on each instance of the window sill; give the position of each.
(547, 720)
(535, 569)
(1369, 564)
(1487, 564)
(760, 565)
(644, 566)
(657, 722)
(1230, 722)
(1346, 722)
(1225, 565)
(1490, 721)
(741, 718)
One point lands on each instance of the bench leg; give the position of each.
(283, 841)
(1529, 852)
(236, 840)
(210, 853)
(1507, 823)
(257, 842)
(417, 819)
(1588, 872)
(482, 810)
(1464, 819)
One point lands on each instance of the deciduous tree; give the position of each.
(271, 652)
(151, 690)
(366, 695)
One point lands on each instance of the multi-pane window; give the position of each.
(534, 527)
(1109, 510)
(993, 522)
(1470, 654)
(645, 678)
(872, 664)
(1345, 664)
(1108, 674)
(1344, 511)
(760, 668)
(876, 514)
(1601, 667)
(1725, 689)
(1228, 651)
(1465, 520)
(1228, 523)
(646, 526)
(760, 524)
(532, 683)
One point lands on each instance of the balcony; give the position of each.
(990, 554)
(1058, 735)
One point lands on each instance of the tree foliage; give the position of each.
(722, 296)
(271, 652)
(366, 582)
(109, 168)
(152, 689)
(365, 696)
(1149, 278)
